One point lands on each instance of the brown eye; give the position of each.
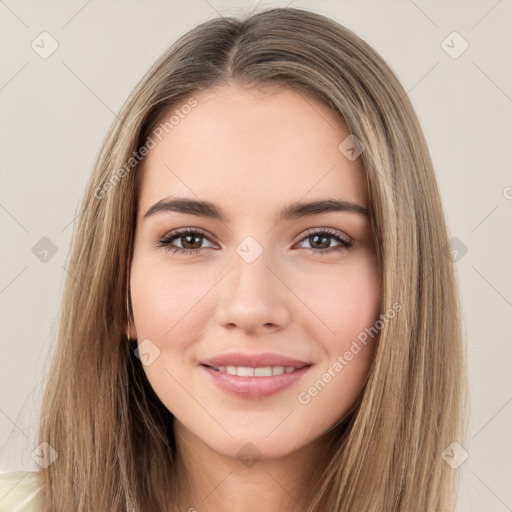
(190, 239)
(320, 241)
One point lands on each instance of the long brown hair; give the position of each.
(113, 436)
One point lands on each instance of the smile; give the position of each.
(254, 383)
(247, 371)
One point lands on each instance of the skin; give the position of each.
(252, 152)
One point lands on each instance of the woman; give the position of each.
(261, 310)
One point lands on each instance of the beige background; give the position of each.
(56, 111)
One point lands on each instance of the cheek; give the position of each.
(168, 308)
(165, 298)
(349, 306)
(356, 304)
(346, 298)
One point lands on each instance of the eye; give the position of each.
(322, 237)
(188, 238)
(191, 240)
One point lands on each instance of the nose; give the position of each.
(253, 298)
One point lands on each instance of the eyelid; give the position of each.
(175, 233)
(330, 231)
(342, 239)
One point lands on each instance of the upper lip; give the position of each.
(259, 360)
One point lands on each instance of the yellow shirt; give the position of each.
(20, 492)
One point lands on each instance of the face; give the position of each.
(247, 285)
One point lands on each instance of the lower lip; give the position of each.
(254, 387)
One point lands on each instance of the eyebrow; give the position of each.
(292, 211)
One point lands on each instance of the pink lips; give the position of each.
(253, 360)
(254, 387)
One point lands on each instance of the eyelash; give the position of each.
(167, 240)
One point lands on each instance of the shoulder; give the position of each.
(20, 491)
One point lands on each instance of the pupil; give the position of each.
(187, 237)
(323, 239)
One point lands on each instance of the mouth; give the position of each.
(254, 383)
(262, 371)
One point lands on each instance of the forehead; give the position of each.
(249, 149)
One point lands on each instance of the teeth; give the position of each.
(246, 371)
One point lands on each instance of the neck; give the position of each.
(209, 481)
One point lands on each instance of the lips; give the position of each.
(247, 375)
(256, 360)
